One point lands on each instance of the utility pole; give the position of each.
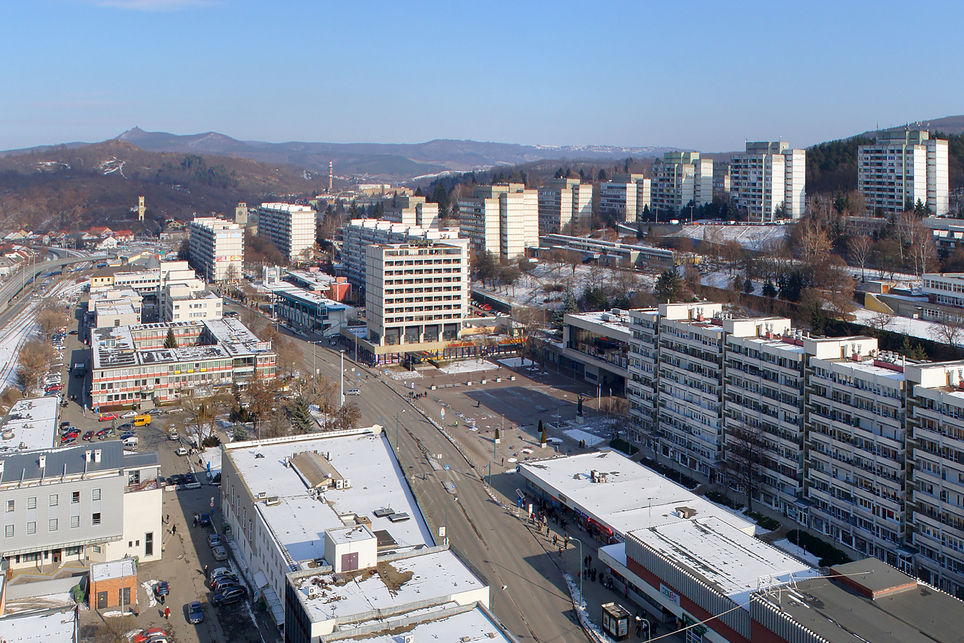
(341, 379)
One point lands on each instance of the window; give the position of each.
(53, 500)
(95, 519)
(8, 531)
(31, 528)
(75, 497)
(95, 494)
(74, 522)
(11, 505)
(32, 503)
(52, 524)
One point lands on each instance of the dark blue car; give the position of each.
(205, 520)
(195, 613)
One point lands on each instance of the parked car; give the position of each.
(73, 433)
(227, 578)
(175, 479)
(104, 433)
(129, 414)
(353, 391)
(73, 332)
(107, 417)
(218, 572)
(125, 427)
(214, 540)
(173, 437)
(64, 425)
(88, 436)
(53, 388)
(153, 635)
(65, 441)
(195, 613)
(230, 595)
(220, 553)
(161, 589)
(181, 451)
(205, 520)
(189, 478)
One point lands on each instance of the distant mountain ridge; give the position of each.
(378, 161)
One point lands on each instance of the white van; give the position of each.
(130, 443)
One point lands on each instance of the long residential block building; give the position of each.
(216, 248)
(291, 228)
(500, 219)
(411, 211)
(860, 445)
(131, 365)
(768, 181)
(901, 168)
(361, 233)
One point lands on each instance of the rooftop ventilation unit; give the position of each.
(272, 500)
(262, 495)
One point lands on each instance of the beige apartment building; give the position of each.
(500, 219)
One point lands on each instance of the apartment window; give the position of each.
(8, 531)
(53, 500)
(74, 522)
(11, 506)
(52, 524)
(75, 497)
(31, 528)
(95, 494)
(95, 519)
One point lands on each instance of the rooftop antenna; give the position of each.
(331, 175)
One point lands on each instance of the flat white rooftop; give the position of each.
(114, 569)
(416, 579)
(299, 522)
(473, 626)
(729, 560)
(632, 497)
(30, 425)
(52, 626)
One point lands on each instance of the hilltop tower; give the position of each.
(241, 214)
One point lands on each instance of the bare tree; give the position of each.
(51, 317)
(34, 359)
(947, 331)
(348, 416)
(744, 459)
(261, 395)
(231, 275)
(879, 321)
(860, 251)
(921, 249)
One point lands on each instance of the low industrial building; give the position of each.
(131, 365)
(87, 503)
(113, 585)
(31, 424)
(54, 625)
(302, 308)
(279, 497)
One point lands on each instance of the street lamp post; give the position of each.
(397, 449)
(341, 379)
(447, 520)
(582, 598)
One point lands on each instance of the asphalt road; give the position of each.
(535, 606)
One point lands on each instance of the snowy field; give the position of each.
(468, 366)
(751, 237)
(403, 375)
(579, 435)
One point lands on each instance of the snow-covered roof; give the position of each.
(50, 626)
(751, 237)
(114, 569)
(32, 422)
(474, 626)
(432, 578)
(364, 458)
(729, 560)
(631, 496)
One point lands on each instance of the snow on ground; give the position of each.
(579, 435)
(12, 338)
(212, 459)
(902, 325)
(403, 375)
(796, 550)
(148, 586)
(469, 366)
(752, 237)
(514, 362)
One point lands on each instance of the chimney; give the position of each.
(43, 461)
(97, 453)
(87, 455)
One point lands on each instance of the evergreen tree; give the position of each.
(418, 191)
(769, 290)
(171, 341)
(818, 320)
(668, 286)
(569, 306)
(301, 416)
(748, 286)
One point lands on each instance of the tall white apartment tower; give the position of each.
(679, 180)
(500, 219)
(411, 211)
(625, 197)
(563, 202)
(767, 177)
(215, 246)
(291, 228)
(430, 310)
(901, 168)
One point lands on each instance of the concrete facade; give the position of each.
(767, 177)
(217, 248)
(564, 204)
(500, 219)
(291, 228)
(679, 180)
(625, 197)
(901, 168)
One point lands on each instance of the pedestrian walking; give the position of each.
(195, 520)
(167, 613)
(205, 571)
(167, 519)
(555, 540)
(173, 530)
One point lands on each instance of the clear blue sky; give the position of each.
(700, 75)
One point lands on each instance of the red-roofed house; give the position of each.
(123, 235)
(100, 231)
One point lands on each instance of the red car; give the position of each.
(71, 434)
(54, 387)
(107, 417)
(89, 436)
(151, 635)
